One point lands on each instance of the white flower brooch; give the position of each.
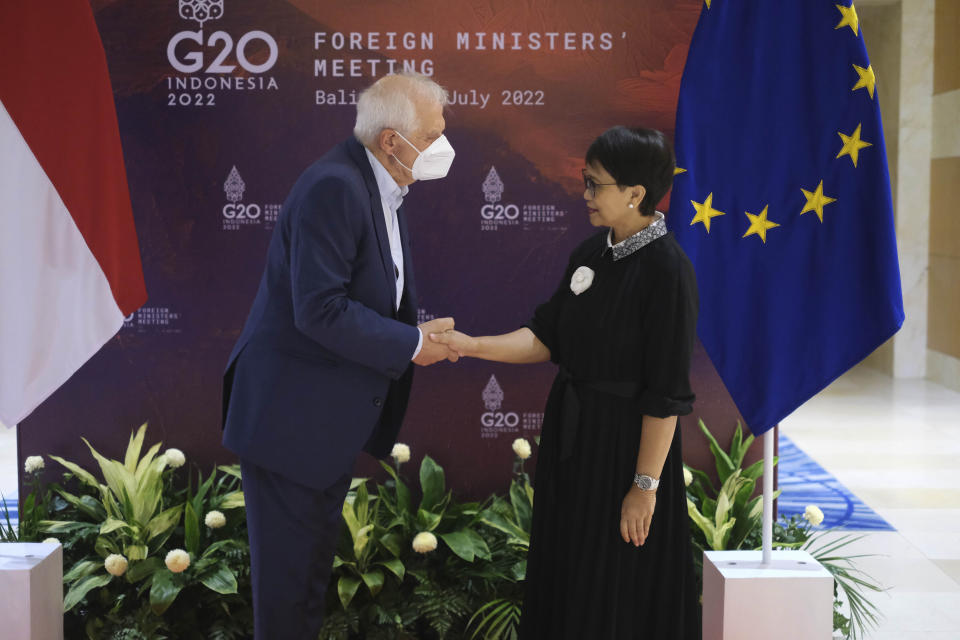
(581, 280)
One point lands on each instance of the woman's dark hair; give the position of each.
(636, 156)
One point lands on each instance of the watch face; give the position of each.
(645, 482)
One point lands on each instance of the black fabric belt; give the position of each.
(570, 404)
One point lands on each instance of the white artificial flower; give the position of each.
(581, 280)
(51, 541)
(175, 458)
(813, 515)
(33, 463)
(425, 542)
(687, 477)
(115, 564)
(400, 453)
(522, 448)
(215, 519)
(177, 561)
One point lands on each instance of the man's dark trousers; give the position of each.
(293, 533)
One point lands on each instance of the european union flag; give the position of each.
(782, 199)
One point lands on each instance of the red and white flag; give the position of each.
(69, 260)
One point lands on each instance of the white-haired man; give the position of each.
(323, 367)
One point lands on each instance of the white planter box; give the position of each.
(31, 591)
(790, 599)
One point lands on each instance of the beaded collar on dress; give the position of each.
(638, 240)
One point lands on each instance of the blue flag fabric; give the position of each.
(782, 199)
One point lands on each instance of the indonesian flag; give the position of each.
(69, 261)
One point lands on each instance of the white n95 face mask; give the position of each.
(431, 163)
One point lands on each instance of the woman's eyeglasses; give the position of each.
(591, 185)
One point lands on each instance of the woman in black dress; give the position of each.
(610, 553)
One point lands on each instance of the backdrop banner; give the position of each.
(223, 103)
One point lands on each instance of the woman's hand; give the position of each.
(636, 514)
(456, 341)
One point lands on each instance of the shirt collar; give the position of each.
(638, 240)
(389, 189)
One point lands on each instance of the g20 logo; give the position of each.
(240, 211)
(190, 58)
(500, 212)
(500, 419)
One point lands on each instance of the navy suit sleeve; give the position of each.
(325, 236)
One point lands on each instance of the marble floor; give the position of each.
(896, 445)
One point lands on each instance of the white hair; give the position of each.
(390, 103)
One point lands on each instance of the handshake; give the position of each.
(442, 342)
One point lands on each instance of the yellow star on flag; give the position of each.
(759, 225)
(705, 212)
(677, 171)
(849, 19)
(708, 3)
(867, 79)
(816, 201)
(852, 145)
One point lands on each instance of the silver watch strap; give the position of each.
(645, 482)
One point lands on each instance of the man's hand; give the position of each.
(431, 351)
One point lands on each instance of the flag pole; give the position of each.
(768, 495)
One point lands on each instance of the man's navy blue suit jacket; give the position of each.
(322, 368)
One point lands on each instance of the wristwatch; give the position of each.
(645, 482)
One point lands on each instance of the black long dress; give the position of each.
(634, 326)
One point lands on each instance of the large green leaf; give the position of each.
(191, 530)
(736, 456)
(722, 535)
(393, 542)
(701, 482)
(725, 465)
(374, 581)
(467, 544)
(133, 449)
(705, 524)
(395, 566)
(149, 460)
(136, 551)
(498, 521)
(143, 569)
(232, 470)
(432, 483)
(232, 500)
(149, 490)
(361, 505)
(723, 509)
(82, 569)
(164, 522)
(110, 525)
(404, 503)
(87, 505)
(62, 526)
(164, 590)
(82, 587)
(755, 470)
(361, 540)
(83, 475)
(220, 579)
(121, 482)
(347, 588)
(104, 546)
(350, 518)
(521, 505)
(223, 544)
(427, 521)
